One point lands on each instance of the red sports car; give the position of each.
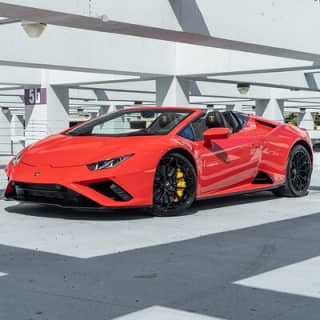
(163, 159)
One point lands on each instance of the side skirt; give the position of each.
(216, 196)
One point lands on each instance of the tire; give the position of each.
(175, 186)
(298, 173)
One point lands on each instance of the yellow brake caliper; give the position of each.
(181, 185)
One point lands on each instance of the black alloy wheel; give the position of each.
(298, 174)
(175, 186)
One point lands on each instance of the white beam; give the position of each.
(86, 89)
(294, 79)
(19, 76)
(9, 88)
(220, 62)
(141, 84)
(209, 88)
(103, 103)
(111, 95)
(210, 100)
(188, 21)
(11, 99)
(96, 52)
(69, 78)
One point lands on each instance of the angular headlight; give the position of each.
(110, 163)
(17, 158)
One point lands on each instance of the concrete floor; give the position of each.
(245, 257)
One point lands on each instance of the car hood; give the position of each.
(68, 151)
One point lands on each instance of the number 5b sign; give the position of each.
(35, 96)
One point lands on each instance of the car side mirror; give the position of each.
(216, 133)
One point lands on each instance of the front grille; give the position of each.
(111, 190)
(51, 194)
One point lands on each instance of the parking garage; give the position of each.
(249, 256)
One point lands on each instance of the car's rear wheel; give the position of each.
(175, 186)
(298, 173)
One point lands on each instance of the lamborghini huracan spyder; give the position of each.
(163, 159)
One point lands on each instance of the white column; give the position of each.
(172, 92)
(271, 109)
(5, 132)
(305, 120)
(57, 109)
(36, 123)
(112, 108)
(50, 118)
(17, 133)
(102, 96)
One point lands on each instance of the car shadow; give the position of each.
(232, 200)
(49, 211)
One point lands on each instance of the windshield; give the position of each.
(132, 123)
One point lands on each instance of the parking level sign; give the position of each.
(35, 96)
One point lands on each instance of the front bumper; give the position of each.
(49, 194)
(79, 187)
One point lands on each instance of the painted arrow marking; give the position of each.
(300, 279)
(159, 313)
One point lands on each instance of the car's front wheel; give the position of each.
(175, 186)
(298, 174)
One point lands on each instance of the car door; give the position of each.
(229, 161)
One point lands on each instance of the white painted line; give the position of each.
(161, 313)
(300, 279)
(51, 230)
(3, 274)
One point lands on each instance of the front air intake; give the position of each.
(111, 190)
(49, 194)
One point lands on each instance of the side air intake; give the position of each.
(262, 178)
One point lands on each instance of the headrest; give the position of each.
(214, 119)
(165, 119)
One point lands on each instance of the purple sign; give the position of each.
(35, 96)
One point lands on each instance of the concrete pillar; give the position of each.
(50, 118)
(305, 120)
(107, 109)
(234, 107)
(103, 110)
(101, 95)
(36, 123)
(172, 92)
(57, 109)
(5, 132)
(271, 109)
(17, 133)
